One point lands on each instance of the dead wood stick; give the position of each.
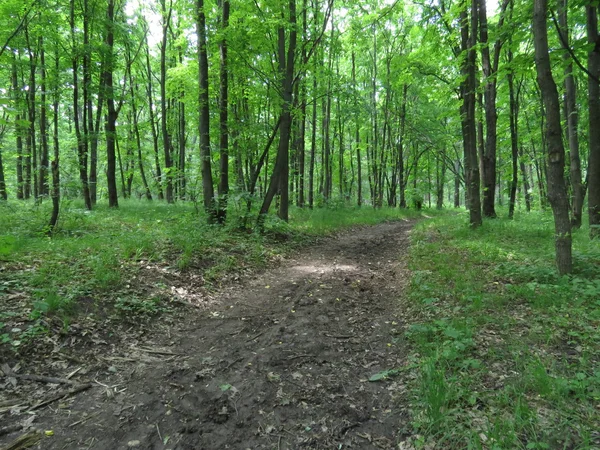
(85, 419)
(42, 378)
(9, 403)
(257, 336)
(25, 441)
(159, 352)
(61, 394)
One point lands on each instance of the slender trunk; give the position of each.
(18, 128)
(166, 19)
(223, 190)
(150, 95)
(514, 138)
(110, 127)
(279, 178)
(313, 148)
(203, 126)
(302, 101)
(55, 161)
(31, 174)
(471, 165)
(82, 150)
(594, 121)
(557, 190)
(43, 177)
(577, 186)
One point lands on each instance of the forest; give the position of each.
(402, 198)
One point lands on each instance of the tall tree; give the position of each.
(557, 189)
(594, 119)
(110, 127)
(204, 122)
(577, 185)
(285, 58)
(223, 189)
(166, 136)
(468, 69)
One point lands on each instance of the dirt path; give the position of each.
(282, 363)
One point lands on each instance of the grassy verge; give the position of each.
(506, 354)
(134, 260)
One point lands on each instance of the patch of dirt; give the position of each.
(280, 361)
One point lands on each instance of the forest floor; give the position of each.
(293, 357)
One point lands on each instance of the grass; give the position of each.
(505, 353)
(102, 256)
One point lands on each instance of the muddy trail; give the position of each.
(281, 361)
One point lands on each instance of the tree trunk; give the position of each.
(18, 128)
(223, 190)
(594, 122)
(43, 177)
(471, 164)
(166, 19)
(204, 124)
(55, 162)
(313, 148)
(150, 95)
(491, 116)
(82, 150)
(557, 190)
(279, 178)
(577, 186)
(110, 127)
(514, 138)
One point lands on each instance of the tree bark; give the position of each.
(18, 128)
(594, 121)
(166, 19)
(204, 124)
(577, 186)
(471, 164)
(514, 138)
(82, 150)
(279, 178)
(110, 127)
(557, 190)
(43, 177)
(150, 95)
(223, 189)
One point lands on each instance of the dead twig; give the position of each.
(158, 352)
(51, 399)
(85, 419)
(257, 336)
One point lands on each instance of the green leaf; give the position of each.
(385, 374)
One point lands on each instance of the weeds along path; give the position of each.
(282, 363)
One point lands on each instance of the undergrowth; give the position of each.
(122, 260)
(505, 353)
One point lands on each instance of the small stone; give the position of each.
(132, 444)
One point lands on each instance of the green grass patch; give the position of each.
(507, 352)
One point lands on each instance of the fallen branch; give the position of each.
(159, 352)
(51, 399)
(43, 379)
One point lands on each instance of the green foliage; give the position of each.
(506, 352)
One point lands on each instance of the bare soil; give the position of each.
(278, 361)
